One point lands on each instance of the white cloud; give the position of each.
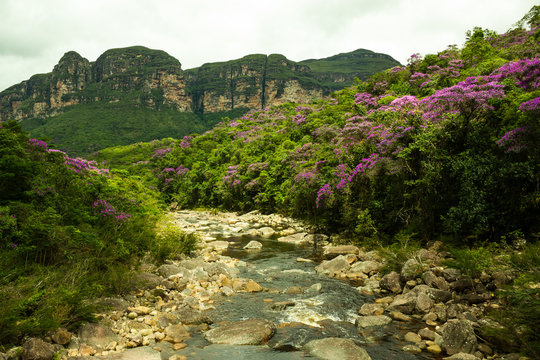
(34, 34)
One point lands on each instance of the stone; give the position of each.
(372, 321)
(253, 245)
(391, 282)
(266, 232)
(297, 239)
(218, 245)
(404, 303)
(146, 281)
(332, 251)
(61, 336)
(245, 332)
(461, 356)
(293, 336)
(396, 315)
(371, 309)
(335, 266)
(140, 310)
(138, 353)
(167, 270)
(450, 274)
(293, 290)
(227, 291)
(252, 286)
(425, 333)
(458, 336)
(118, 304)
(282, 305)
(179, 346)
(434, 349)
(411, 270)
(336, 349)
(366, 267)
(96, 335)
(86, 350)
(176, 333)
(412, 337)
(37, 349)
(461, 285)
(423, 302)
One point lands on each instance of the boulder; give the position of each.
(219, 245)
(332, 251)
(253, 245)
(292, 337)
(167, 270)
(138, 353)
(96, 335)
(458, 336)
(371, 309)
(372, 321)
(336, 349)
(297, 239)
(335, 266)
(266, 232)
(37, 349)
(176, 333)
(366, 267)
(147, 281)
(423, 302)
(461, 356)
(245, 332)
(411, 270)
(61, 336)
(390, 282)
(404, 303)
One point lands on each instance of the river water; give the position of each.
(319, 307)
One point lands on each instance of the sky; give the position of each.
(34, 34)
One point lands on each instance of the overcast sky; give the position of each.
(34, 34)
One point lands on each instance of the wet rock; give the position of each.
(396, 315)
(413, 349)
(371, 309)
(404, 303)
(372, 320)
(334, 266)
(293, 337)
(176, 333)
(434, 349)
(246, 332)
(391, 282)
(253, 245)
(190, 317)
(412, 337)
(282, 305)
(96, 335)
(61, 336)
(314, 289)
(252, 286)
(336, 349)
(411, 269)
(297, 239)
(425, 333)
(458, 336)
(293, 290)
(218, 245)
(227, 291)
(167, 270)
(138, 353)
(37, 349)
(332, 251)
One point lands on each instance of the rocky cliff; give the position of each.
(153, 78)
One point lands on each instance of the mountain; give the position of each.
(138, 94)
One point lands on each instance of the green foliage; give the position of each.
(172, 242)
(473, 261)
(403, 247)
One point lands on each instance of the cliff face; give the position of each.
(152, 78)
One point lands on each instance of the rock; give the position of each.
(425, 333)
(462, 285)
(458, 336)
(314, 289)
(390, 282)
(117, 304)
(371, 309)
(293, 290)
(373, 320)
(404, 303)
(245, 332)
(96, 335)
(484, 348)
(423, 302)
(138, 353)
(434, 349)
(366, 267)
(332, 251)
(336, 349)
(412, 337)
(37, 349)
(227, 291)
(190, 317)
(219, 245)
(266, 232)
(253, 245)
(61, 336)
(396, 315)
(252, 286)
(167, 270)
(451, 274)
(410, 270)
(140, 310)
(292, 337)
(461, 356)
(176, 333)
(86, 350)
(282, 305)
(179, 346)
(147, 281)
(334, 266)
(297, 239)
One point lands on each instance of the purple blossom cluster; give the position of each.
(513, 141)
(307, 176)
(531, 105)
(186, 142)
(323, 193)
(159, 153)
(525, 71)
(231, 177)
(104, 209)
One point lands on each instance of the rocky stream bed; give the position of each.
(262, 287)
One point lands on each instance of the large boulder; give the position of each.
(335, 266)
(297, 239)
(390, 282)
(458, 336)
(404, 303)
(336, 349)
(37, 349)
(245, 332)
(96, 335)
(332, 251)
(167, 270)
(411, 270)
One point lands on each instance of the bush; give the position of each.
(172, 242)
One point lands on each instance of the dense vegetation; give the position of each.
(444, 146)
(69, 231)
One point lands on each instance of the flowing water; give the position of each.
(325, 307)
